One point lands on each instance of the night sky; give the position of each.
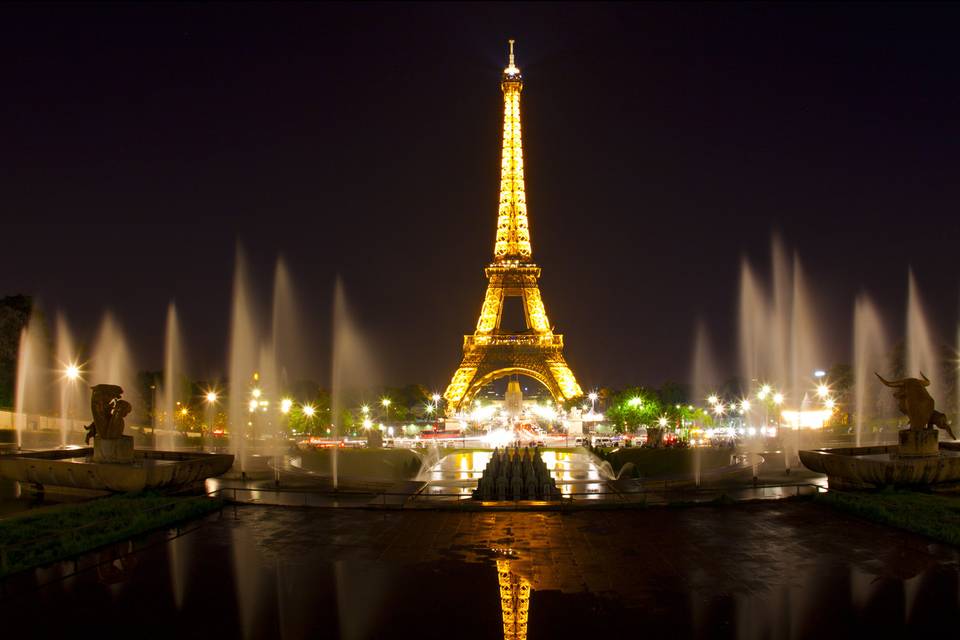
(140, 143)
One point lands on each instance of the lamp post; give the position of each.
(386, 407)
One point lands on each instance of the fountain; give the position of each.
(778, 338)
(243, 354)
(111, 464)
(164, 419)
(869, 347)
(71, 395)
(30, 398)
(351, 366)
(919, 459)
(921, 354)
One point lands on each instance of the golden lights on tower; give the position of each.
(492, 352)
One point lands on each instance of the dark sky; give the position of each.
(139, 143)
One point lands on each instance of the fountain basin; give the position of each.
(75, 468)
(882, 466)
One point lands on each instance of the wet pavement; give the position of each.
(773, 570)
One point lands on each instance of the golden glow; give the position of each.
(285, 405)
(823, 391)
(712, 400)
(662, 421)
(513, 234)
(308, 410)
(184, 411)
(514, 601)
(778, 398)
(72, 372)
(253, 405)
(805, 419)
(385, 402)
(256, 392)
(490, 353)
(211, 396)
(745, 405)
(830, 404)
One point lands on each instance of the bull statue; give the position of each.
(917, 404)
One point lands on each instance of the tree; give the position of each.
(14, 315)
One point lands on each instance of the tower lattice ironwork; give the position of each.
(490, 353)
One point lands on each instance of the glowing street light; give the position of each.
(309, 410)
(184, 412)
(745, 405)
(253, 405)
(365, 409)
(367, 423)
(823, 391)
(285, 405)
(429, 409)
(72, 372)
(256, 392)
(830, 403)
(713, 400)
(662, 422)
(764, 392)
(211, 397)
(778, 398)
(635, 402)
(386, 406)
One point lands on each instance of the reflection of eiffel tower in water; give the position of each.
(490, 353)
(514, 601)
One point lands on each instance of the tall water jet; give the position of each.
(921, 354)
(110, 359)
(753, 314)
(69, 379)
(284, 351)
(704, 375)
(33, 383)
(351, 364)
(243, 353)
(170, 392)
(869, 349)
(804, 341)
(779, 321)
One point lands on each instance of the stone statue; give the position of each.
(103, 400)
(109, 411)
(915, 402)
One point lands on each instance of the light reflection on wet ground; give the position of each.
(457, 473)
(774, 570)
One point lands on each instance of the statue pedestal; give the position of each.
(918, 443)
(113, 450)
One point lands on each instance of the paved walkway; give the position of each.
(771, 570)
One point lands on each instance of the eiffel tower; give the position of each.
(490, 353)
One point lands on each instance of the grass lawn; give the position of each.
(934, 515)
(651, 463)
(37, 538)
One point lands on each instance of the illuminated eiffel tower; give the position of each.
(489, 353)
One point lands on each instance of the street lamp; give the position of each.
(285, 405)
(386, 406)
(823, 391)
(72, 372)
(211, 397)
